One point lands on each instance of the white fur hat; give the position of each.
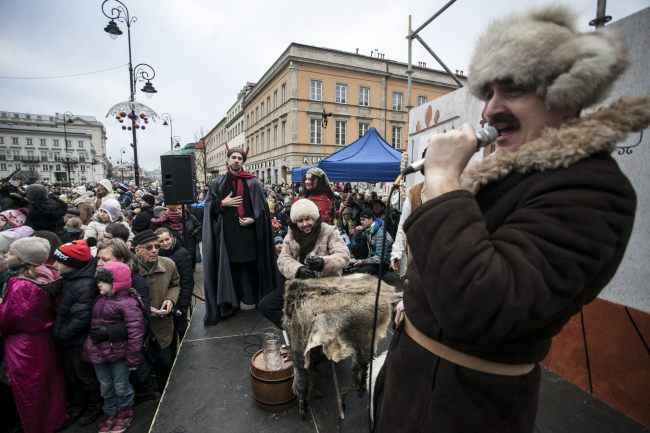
(107, 185)
(542, 51)
(304, 208)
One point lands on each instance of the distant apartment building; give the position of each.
(215, 148)
(58, 151)
(284, 114)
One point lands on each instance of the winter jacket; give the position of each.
(38, 383)
(142, 220)
(108, 310)
(183, 260)
(46, 214)
(78, 292)
(329, 246)
(163, 281)
(95, 229)
(173, 219)
(374, 236)
(125, 199)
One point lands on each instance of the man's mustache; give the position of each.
(504, 118)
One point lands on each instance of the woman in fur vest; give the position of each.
(507, 250)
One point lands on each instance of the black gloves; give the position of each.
(114, 333)
(305, 272)
(98, 334)
(315, 263)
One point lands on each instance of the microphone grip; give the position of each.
(484, 137)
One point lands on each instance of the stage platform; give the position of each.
(209, 391)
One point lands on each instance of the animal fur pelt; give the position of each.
(337, 312)
(575, 140)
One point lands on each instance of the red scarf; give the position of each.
(237, 180)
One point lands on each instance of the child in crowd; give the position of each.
(114, 360)
(10, 219)
(171, 218)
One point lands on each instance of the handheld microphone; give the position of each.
(484, 137)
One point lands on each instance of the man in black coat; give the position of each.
(238, 249)
(72, 326)
(142, 221)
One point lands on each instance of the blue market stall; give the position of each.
(369, 159)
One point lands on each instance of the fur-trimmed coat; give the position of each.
(500, 267)
(329, 246)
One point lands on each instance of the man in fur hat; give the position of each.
(239, 254)
(506, 251)
(311, 249)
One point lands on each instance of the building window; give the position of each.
(17, 166)
(16, 155)
(257, 113)
(58, 167)
(43, 142)
(56, 142)
(284, 93)
(14, 140)
(275, 137)
(3, 167)
(275, 99)
(268, 139)
(363, 128)
(261, 110)
(397, 137)
(341, 132)
(284, 133)
(2, 140)
(316, 133)
(30, 154)
(316, 90)
(268, 105)
(83, 168)
(29, 141)
(3, 157)
(81, 143)
(68, 143)
(397, 100)
(422, 100)
(262, 148)
(247, 121)
(364, 96)
(341, 93)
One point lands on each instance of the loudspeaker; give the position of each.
(177, 178)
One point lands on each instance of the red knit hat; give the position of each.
(75, 254)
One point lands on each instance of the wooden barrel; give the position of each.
(272, 389)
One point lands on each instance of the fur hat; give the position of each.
(116, 273)
(75, 254)
(36, 192)
(15, 218)
(542, 51)
(112, 208)
(7, 237)
(107, 185)
(304, 208)
(148, 198)
(31, 250)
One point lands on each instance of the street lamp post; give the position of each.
(67, 118)
(176, 142)
(141, 72)
(169, 121)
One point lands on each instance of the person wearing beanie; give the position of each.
(278, 241)
(163, 279)
(112, 360)
(109, 212)
(239, 262)
(72, 326)
(142, 221)
(311, 249)
(507, 250)
(125, 196)
(317, 189)
(26, 309)
(10, 219)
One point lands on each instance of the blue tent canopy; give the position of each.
(369, 159)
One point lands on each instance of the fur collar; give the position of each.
(574, 141)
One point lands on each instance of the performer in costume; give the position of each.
(239, 262)
(506, 252)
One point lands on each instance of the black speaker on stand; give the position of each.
(177, 178)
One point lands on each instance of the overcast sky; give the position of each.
(204, 51)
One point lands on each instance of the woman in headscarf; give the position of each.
(317, 189)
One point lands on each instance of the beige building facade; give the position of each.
(314, 101)
(215, 141)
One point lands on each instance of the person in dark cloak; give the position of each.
(240, 263)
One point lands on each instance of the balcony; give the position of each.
(29, 159)
(66, 160)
